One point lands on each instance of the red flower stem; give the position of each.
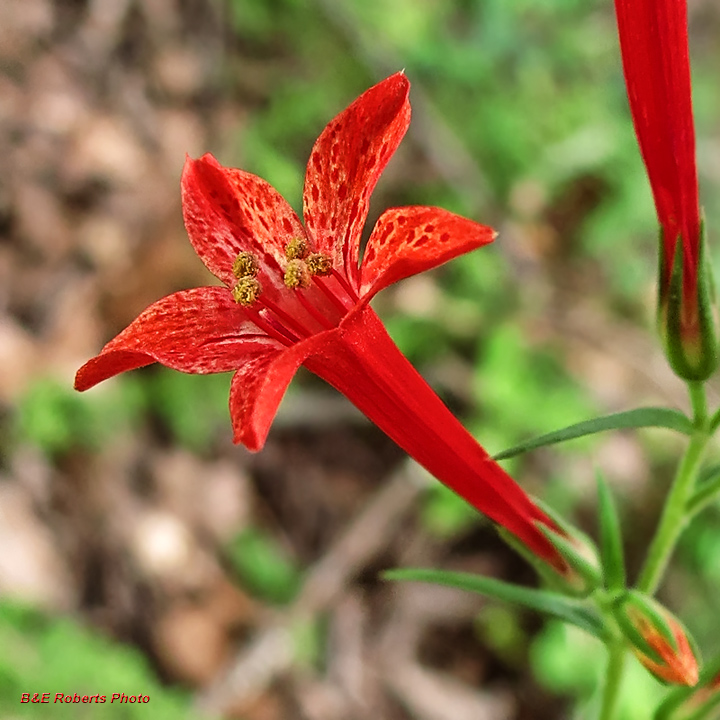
(364, 364)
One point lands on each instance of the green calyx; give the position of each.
(635, 613)
(688, 325)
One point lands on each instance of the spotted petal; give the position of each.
(345, 165)
(228, 211)
(410, 240)
(260, 384)
(196, 331)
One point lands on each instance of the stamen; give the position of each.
(314, 312)
(345, 285)
(245, 265)
(296, 275)
(342, 307)
(319, 264)
(296, 249)
(272, 328)
(280, 331)
(247, 291)
(287, 320)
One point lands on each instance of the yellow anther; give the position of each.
(247, 291)
(296, 249)
(245, 265)
(297, 275)
(319, 264)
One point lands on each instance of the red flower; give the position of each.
(654, 46)
(297, 295)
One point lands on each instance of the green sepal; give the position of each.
(559, 606)
(693, 359)
(611, 546)
(626, 420)
(573, 555)
(631, 633)
(657, 613)
(550, 577)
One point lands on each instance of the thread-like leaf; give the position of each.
(628, 419)
(554, 604)
(611, 547)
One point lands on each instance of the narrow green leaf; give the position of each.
(707, 492)
(571, 611)
(611, 546)
(638, 418)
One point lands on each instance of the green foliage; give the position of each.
(499, 627)
(638, 418)
(40, 654)
(611, 545)
(543, 601)
(445, 514)
(523, 391)
(55, 418)
(193, 407)
(308, 642)
(568, 661)
(264, 568)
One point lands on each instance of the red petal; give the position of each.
(409, 240)
(260, 384)
(654, 45)
(196, 331)
(345, 165)
(228, 211)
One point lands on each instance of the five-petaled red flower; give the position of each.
(295, 295)
(654, 46)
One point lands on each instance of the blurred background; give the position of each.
(140, 551)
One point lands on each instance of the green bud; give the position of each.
(658, 639)
(688, 322)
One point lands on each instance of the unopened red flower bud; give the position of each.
(658, 638)
(687, 316)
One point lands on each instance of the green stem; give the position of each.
(674, 517)
(613, 679)
(673, 521)
(698, 399)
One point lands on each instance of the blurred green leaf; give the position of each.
(56, 655)
(446, 515)
(611, 547)
(55, 417)
(549, 603)
(263, 567)
(193, 407)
